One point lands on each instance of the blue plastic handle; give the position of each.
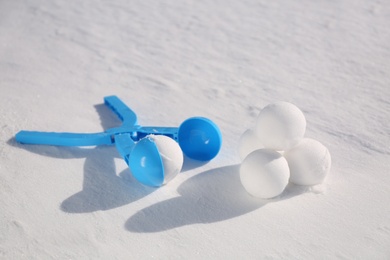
(171, 132)
(125, 114)
(63, 139)
(124, 144)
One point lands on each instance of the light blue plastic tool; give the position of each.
(198, 137)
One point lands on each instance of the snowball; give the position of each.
(309, 162)
(280, 126)
(264, 173)
(171, 155)
(248, 143)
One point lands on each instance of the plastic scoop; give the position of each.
(145, 161)
(199, 138)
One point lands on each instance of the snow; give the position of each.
(248, 143)
(280, 126)
(264, 173)
(309, 162)
(171, 156)
(171, 60)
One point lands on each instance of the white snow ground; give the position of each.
(170, 60)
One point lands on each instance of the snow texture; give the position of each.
(280, 126)
(264, 173)
(171, 60)
(248, 143)
(171, 156)
(309, 162)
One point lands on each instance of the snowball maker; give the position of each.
(198, 137)
(264, 173)
(280, 126)
(309, 162)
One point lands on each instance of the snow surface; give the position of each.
(170, 60)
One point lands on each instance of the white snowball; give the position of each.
(309, 162)
(248, 143)
(280, 126)
(171, 155)
(264, 173)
